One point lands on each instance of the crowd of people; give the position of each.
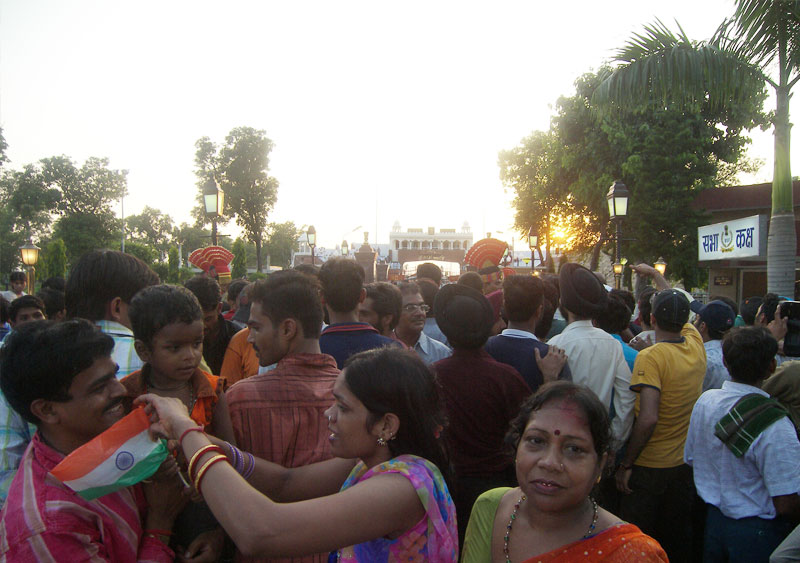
(315, 418)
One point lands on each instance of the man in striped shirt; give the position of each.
(62, 378)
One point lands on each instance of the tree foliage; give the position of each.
(54, 259)
(281, 243)
(241, 167)
(665, 156)
(239, 265)
(759, 45)
(152, 227)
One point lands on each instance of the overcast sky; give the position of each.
(379, 111)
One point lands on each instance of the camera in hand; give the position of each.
(791, 342)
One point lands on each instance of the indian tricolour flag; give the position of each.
(121, 456)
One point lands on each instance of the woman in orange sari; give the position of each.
(562, 437)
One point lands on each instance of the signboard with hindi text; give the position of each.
(738, 238)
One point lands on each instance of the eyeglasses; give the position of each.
(411, 307)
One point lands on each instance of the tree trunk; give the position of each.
(595, 262)
(257, 242)
(782, 239)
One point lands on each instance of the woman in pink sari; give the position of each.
(562, 436)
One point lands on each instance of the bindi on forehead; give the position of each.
(557, 432)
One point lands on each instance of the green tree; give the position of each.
(665, 156)
(3, 148)
(282, 241)
(239, 265)
(173, 273)
(760, 45)
(142, 251)
(241, 168)
(153, 227)
(82, 232)
(55, 259)
(191, 237)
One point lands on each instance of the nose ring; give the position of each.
(562, 467)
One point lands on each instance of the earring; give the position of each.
(381, 441)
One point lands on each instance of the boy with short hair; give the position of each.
(168, 326)
(217, 331)
(26, 309)
(17, 280)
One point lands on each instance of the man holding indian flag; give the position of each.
(61, 378)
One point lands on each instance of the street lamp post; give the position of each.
(30, 255)
(617, 197)
(311, 237)
(345, 248)
(660, 266)
(533, 243)
(213, 199)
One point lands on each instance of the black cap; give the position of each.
(670, 306)
(717, 315)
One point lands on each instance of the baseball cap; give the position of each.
(717, 315)
(670, 306)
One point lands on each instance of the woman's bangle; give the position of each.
(251, 466)
(238, 458)
(185, 432)
(198, 454)
(204, 468)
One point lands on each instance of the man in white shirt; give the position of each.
(409, 329)
(17, 281)
(594, 357)
(712, 321)
(750, 481)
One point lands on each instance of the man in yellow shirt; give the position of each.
(656, 485)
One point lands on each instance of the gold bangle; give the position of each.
(198, 454)
(203, 468)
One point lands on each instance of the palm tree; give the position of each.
(746, 52)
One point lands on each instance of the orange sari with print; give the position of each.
(624, 543)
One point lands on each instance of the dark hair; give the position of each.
(727, 300)
(307, 269)
(40, 359)
(290, 294)
(386, 300)
(430, 271)
(748, 352)
(522, 296)
(408, 288)
(342, 280)
(549, 305)
(749, 308)
(24, 302)
(206, 290)
(615, 317)
(768, 306)
(3, 310)
(235, 288)
(471, 279)
(17, 276)
(157, 306)
(428, 289)
(626, 296)
(53, 301)
(392, 380)
(645, 306)
(56, 282)
(596, 414)
(100, 276)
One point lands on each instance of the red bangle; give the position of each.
(159, 532)
(185, 432)
(204, 469)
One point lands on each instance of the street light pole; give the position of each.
(617, 197)
(30, 255)
(213, 198)
(311, 236)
